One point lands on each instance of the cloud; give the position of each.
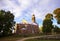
(35, 9)
(13, 7)
(25, 8)
(23, 4)
(42, 2)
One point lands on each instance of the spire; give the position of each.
(33, 18)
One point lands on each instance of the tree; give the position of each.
(49, 16)
(47, 23)
(56, 29)
(57, 14)
(6, 22)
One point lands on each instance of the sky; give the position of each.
(24, 9)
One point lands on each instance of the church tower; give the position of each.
(33, 18)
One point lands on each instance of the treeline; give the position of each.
(6, 22)
(48, 26)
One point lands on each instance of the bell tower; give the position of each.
(33, 18)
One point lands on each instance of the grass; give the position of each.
(45, 38)
(15, 37)
(10, 38)
(18, 37)
(40, 40)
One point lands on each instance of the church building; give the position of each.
(26, 27)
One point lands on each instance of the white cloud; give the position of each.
(10, 5)
(38, 14)
(42, 2)
(17, 10)
(38, 7)
(24, 3)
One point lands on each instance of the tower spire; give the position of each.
(33, 18)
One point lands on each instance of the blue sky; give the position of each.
(25, 8)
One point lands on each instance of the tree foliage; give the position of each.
(47, 23)
(56, 29)
(49, 16)
(6, 22)
(57, 14)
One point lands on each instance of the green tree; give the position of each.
(56, 29)
(57, 14)
(6, 22)
(49, 16)
(47, 23)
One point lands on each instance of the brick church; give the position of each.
(27, 28)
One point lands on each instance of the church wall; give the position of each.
(28, 29)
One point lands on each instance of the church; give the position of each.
(26, 27)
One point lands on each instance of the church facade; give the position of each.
(27, 28)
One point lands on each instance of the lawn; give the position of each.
(10, 38)
(18, 37)
(40, 40)
(15, 37)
